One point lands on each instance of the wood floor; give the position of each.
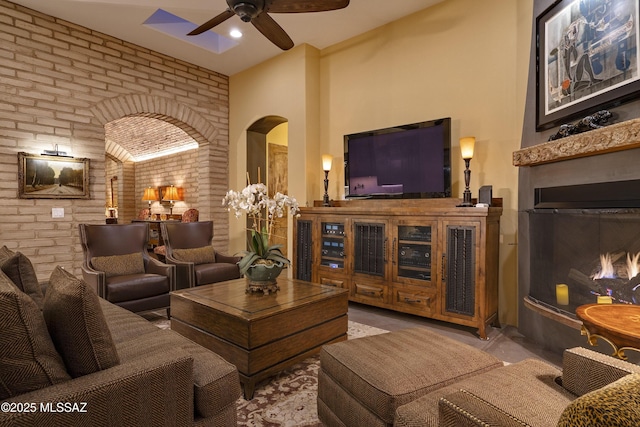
(504, 343)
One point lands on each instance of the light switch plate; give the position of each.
(57, 212)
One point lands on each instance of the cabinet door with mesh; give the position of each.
(460, 270)
(369, 248)
(304, 250)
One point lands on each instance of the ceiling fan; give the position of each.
(255, 11)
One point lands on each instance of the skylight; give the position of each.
(176, 27)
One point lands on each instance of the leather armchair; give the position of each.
(197, 235)
(117, 264)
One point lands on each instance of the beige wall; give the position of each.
(462, 59)
(286, 86)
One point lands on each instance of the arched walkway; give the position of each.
(213, 162)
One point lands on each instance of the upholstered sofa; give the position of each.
(417, 378)
(70, 358)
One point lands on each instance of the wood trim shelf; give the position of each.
(615, 137)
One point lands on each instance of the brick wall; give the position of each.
(60, 84)
(175, 169)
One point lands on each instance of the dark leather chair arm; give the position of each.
(95, 279)
(153, 266)
(229, 259)
(185, 273)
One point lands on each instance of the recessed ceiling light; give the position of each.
(235, 33)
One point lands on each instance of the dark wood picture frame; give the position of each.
(52, 177)
(586, 58)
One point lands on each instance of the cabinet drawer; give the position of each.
(370, 292)
(410, 300)
(331, 281)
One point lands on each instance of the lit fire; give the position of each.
(608, 271)
(632, 265)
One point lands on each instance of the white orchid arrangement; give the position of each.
(263, 212)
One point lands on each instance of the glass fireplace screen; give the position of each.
(594, 252)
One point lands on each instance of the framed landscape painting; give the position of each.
(587, 58)
(52, 177)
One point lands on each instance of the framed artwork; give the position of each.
(278, 180)
(52, 177)
(586, 58)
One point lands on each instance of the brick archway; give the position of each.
(213, 150)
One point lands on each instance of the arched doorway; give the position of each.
(212, 162)
(267, 162)
(145, 152)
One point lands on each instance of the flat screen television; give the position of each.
(408, 161)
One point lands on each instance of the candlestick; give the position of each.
(562, 294)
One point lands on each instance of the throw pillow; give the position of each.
(119, 265)
(28, 359)
(21, 272)
(203, 255)
(615, 405)
(5, 252)
(77, 325)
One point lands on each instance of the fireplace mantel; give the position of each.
(615, 137)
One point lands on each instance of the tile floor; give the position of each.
(506, 343)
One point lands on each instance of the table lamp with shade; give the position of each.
(171, 196)
(327, 159)
(466, 149)
(150, 195)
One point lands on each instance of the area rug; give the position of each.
(287, 399)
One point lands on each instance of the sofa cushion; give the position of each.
(216, 382)
(119, 265)
(123, 324)
(21, 272)
(77, 325)
(614, 405)
(203, 255)
(28, 359)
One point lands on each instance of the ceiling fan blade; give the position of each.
(212, 22)
(271, 30)
(302, 6)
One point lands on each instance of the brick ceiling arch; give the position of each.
(124, 117)
(134, 137)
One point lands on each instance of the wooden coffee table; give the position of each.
(261, 334)
(617, 324)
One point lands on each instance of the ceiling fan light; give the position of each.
(246, 11)
(235, 33)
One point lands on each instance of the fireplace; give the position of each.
(585, 243)
(579, 201)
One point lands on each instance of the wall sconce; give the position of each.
(149, 195)
(466, 149)
(326, 166)
(171, 196)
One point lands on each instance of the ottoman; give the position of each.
(363, 381)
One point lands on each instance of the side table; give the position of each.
(617, 324)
